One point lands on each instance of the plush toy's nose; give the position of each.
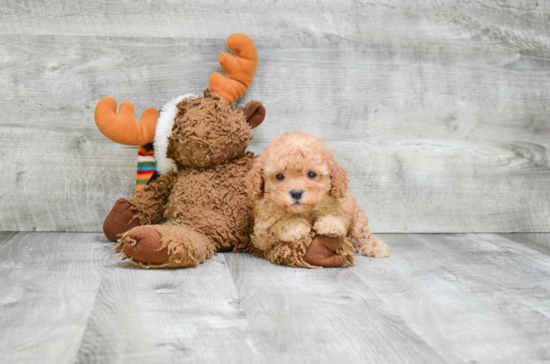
(296, 194)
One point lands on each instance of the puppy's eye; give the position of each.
(311, 175)
(280, 177)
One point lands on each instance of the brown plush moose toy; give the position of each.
(200, 146)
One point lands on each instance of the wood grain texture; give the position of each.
(438, 298)
(538, 242)
(327, 315)
(49, 282)
(466, 295)
(168, 316)
(439, 110)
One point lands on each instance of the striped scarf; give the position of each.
(146, 166)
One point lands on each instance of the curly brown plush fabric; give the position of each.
(206, 200)
(207, 132)
(149, 203)
(214, 202)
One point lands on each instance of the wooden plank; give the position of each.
(515, 271)
(448, 164)
(438, 298)
(380, 21)
(329, 315)
(49, 283)
(472, 300)
(538, 242)
(513, 246)
(6, 236)
(154, 316)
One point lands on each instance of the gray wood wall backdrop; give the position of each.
(439, 109)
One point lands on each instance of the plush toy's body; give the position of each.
(209, 211)
(214, 202)
(201, 191)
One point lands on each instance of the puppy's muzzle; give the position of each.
(296, 194)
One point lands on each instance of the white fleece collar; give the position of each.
(163, 130)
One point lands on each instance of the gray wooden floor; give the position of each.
(438, 298)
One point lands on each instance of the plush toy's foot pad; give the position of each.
(325, 251)
(165, 246)
(120, 220)
(143, 245)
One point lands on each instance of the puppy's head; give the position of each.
(296, 172)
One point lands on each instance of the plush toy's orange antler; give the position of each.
(124, 127)
(239, 69)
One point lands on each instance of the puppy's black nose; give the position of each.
(296, 194)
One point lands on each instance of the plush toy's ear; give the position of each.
(255, 113)
(255, 180)
(338, 179)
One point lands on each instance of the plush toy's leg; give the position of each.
(325, 251)
(121, 219)
(312, 251)
(165, 246)
(149, 203)
(146, 208)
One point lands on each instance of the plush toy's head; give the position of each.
(208, 131)
(192, 130)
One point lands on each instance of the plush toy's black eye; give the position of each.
(280, 177)
(311, 175)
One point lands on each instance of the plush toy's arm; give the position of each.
(149, 203)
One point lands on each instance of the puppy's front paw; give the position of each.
(330, 226)
(294, 231)
(376, 248)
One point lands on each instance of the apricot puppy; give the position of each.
(300, 191)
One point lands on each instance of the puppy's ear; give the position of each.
(255, 180)
(338, 179)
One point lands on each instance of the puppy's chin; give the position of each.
(298, 208)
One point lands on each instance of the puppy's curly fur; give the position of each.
(299, 164)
